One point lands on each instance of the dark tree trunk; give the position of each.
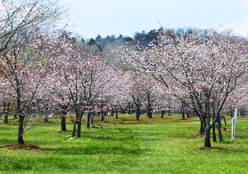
(46, 115)
(220, 138)
(116, 113)
(187, 113)
(92, 118)
(183, 116)
(169, 112)
(224, 119)
(63, 117)
(20, 129)
(149, 106)
(129, 109)
(79, 127)
(214, 134)
(15, 117)
(5, 119)
(5, 111)
(77, 122)
(88, 115)
(63, 125)
(162, 113)
(137, 113)
(112, 112)
(207, 137)
(242, 113)
(103, 118)
(208, 127)
(149, 113)
(122, 111)
(203, 126)
(74, 128)
(46, 118)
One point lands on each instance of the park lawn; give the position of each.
(157, 145)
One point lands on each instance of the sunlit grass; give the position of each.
(157, 145)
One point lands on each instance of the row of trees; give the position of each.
(45, 67)
(203, 71)
(101, 44)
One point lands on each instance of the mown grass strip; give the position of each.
(157, 145)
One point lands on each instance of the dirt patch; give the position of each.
(64, 132)
(209, 149)
(20, 147)
(196, 135)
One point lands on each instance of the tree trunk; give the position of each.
(207, 133)
(149, 113)
(242, 114)
(20, 130)
(63, 117)
(207, 137)
(162, 113)
(46, 118)
(129, 109)
(187, 113)
(92, 118)
(220, 138)
(74, 129)
(112, 112)
(149, 106)
(79, 127)
(103, 118)
(122, 111)
(137, 113)
(5, 119)
(203, 126)
(214, 134)
(46, 115)
(116, 113)
(87, 115)
(224, 119)
(183, 116)
(77, 122)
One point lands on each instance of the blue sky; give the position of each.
(107, 17)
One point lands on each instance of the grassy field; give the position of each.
(168, 145)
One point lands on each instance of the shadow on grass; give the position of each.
(114, 150)
(219, 149)
(209, 149)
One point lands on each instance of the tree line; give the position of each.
(45, 67)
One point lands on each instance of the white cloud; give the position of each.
(239, 28)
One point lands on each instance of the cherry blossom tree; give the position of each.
(25, 40)
(197, 69)
(24, 68)
(19, 17)
(81, 79)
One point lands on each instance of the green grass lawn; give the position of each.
(168, 145)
